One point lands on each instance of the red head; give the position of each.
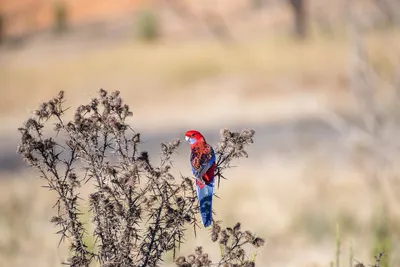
(193, 137)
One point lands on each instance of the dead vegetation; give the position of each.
(139, 210)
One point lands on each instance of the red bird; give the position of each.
(202, 160)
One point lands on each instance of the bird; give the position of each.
(203, 163)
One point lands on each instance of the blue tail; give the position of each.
(204, 196)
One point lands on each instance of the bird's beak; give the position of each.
(190, 140)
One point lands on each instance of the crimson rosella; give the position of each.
(202, 160)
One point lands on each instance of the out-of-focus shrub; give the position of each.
(147, 25)
(60, 13)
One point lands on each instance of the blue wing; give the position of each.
(201, 162)
(201, 159)
(205, 195)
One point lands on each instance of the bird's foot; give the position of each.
(200, 179)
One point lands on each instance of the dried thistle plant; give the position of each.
(139, 209)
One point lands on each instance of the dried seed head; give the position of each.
(214, 237)
(191, 258)
(60, 95)
(197, 263)
(73, 179)
(115, 94)
(198, 251)
(249, 264)
(175, 143)
(236, 228)
(164, 148)
(224, 237)
(57, 127)
(78, 118)
(225, 133)
(204, 260)
(248, 236)
(167, 168)
(240, 253)
(94, 197)
(216, 229)
(258, 242)
(180, 260)
(103, 93)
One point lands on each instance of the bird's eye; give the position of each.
(192, 134)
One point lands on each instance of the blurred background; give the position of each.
(318, 80)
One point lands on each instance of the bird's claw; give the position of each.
(200, 180)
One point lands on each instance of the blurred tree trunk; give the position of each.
(391, 9)
(300, 18)
(1, 28)
(60, 17)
